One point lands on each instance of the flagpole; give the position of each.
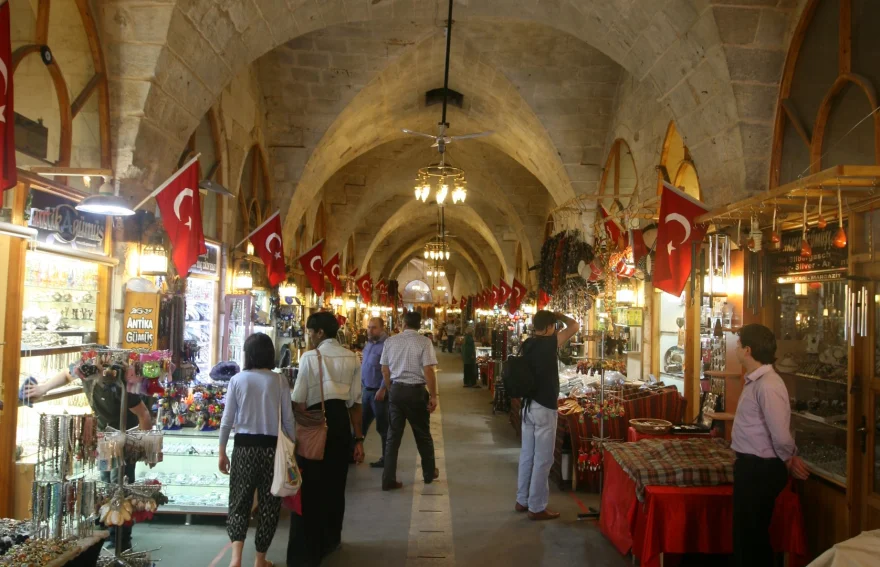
(167, 183)
(265, 222)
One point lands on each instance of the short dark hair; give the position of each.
(259, 352)
(323, 321)
(761, 340)
(412, 320)
(543, 319)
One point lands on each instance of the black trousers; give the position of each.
(113, 476)
(319, 530)
(450, 342)
(409, 404)
(756, 484)
(470, 373)
(374, 409)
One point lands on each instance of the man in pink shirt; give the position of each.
(765, 449)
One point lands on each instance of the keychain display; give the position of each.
(206, 409)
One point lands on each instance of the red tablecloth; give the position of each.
(633, 436)
(675, 520)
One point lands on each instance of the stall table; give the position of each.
(633, 436)
(679, 520)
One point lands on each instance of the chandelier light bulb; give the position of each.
(426, 254)
(447, 254)
(442, 193)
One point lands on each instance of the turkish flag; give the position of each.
(505, 290)
(331, 270)
(463, 303)
(496, 296)
(264, 240)
(383, 291)
(517, 295)
(313, 264)
(182, 216)
(640, 249)
(365, 286)
(543, 299)
(8, 173)
(452, 301)
(675, 233)
(615, 233)
(353, 273)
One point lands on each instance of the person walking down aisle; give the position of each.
(104, 394)
(765, 449)
(469, 358)
(254, 400)
(375, 398)
(329, 375)
(451, 332)
(408, 363)
(539, 414)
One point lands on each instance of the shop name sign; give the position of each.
(826, 257)
(59, 223)
(208, 263)
(141, 320)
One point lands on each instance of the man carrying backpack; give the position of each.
(540, 413)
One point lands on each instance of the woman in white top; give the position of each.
(319, 530)
(254, 400)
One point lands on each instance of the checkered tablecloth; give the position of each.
(673, 462)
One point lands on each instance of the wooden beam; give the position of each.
(71, 171)
(43, 22)
(50, 185)
(795, 120)
(83, 97)
(91, 29)
(818, 139)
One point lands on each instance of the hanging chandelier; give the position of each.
(445, 181)
(437, 249)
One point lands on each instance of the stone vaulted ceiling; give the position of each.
(557, 80)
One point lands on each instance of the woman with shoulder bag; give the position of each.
(254, 399)
(327, 404)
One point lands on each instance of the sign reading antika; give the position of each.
(141, 320)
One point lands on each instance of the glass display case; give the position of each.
(200, 320)
(238, 326)
(812, 354)
(189, 474)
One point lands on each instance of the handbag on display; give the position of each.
(286, 480)
(311, 425)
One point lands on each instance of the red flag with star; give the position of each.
(543, 299)
(8, 173)
(313, 264)
(331, 270)
(365, 287)
(505, 290)
(179, 205)
(615, 233)
(270, 249)
(496, 296)
(517, 295)
(463, 304)
(676, 231)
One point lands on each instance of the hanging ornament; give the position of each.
(739, 226)
(755, 236)
(822, 223)
(806, 249)
(774, 236)
(840, 236)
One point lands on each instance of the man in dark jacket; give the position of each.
(374, 399)
(469, 358)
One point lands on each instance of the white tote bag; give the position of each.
(286, 480)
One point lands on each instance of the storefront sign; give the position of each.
(825, 258)
(630, 316)
(208, 263)
(810, 278)
(141, 320)
(59, 223)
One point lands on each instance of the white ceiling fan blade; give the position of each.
(470, 136)
(422, 134)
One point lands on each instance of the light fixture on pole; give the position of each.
(154, 260)
(107, 202)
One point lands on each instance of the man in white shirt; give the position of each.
(451, 332)
(408, 362)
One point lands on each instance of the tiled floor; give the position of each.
(467, 519)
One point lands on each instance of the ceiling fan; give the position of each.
(441, 140)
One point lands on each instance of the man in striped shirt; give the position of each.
(408, 364)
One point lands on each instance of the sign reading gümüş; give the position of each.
(141, 320)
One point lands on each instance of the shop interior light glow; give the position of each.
(287, 289)
(154, 260)
(243, 280)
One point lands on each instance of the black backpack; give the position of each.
(518, 378)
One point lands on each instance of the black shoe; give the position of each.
(380, 464)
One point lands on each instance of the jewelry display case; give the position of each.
(238, 327)
(201, 320)
(189, 473)
(812, 359)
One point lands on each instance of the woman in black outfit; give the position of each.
(318, 531)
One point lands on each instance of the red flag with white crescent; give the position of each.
(382, 287)
(8, 173)
(269, 247)
(517, 295)
(331, 270)
(496, 295)
(452, 301)
(463, 303)
(504, 290)
(365, 287)
(179, 205)
(312, 263)
(543, 299)
(676, 231)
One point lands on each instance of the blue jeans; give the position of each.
(374, 409)
(536, 456)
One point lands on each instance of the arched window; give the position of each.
(205, 142)
(254, 197)
(676, 166)
(826, 113)
(57, 54)
(417, 291)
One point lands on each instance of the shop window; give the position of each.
(61, 95)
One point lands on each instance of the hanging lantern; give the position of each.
(243, 280)
(154, 260)
(821, 223)
(287, 289)
(840, 236)
(806, 249)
